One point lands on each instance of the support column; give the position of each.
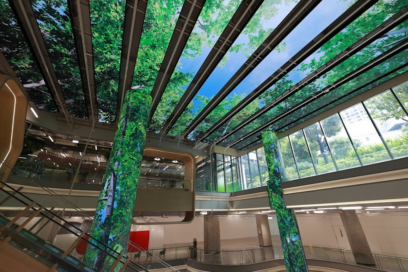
(212, 237)
(264, 233)
(357, 239)
(288, 228)
(114, 212)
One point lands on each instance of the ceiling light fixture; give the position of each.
(270, 217)
(241, 212)
(157, 159)
(328, 208)
(318, 211)
(80, 153)
(175, 161)
(96, 147)
(32, 155)
(52, 140)
(266, 211)
(351, 208)
(381, 207)
(34, 112)
(403, 207)
(196, 157)
(75, 141)
(203, 213)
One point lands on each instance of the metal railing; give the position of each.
(256, 255)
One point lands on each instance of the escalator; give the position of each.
(22, 248)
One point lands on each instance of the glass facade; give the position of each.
(372, 131)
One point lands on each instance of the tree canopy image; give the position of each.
(54, 21)
(376, 15)
(15, 48)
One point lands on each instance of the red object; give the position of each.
(81, 247)
(140, 238)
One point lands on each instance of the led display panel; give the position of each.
(107, 18)
(376, 15)
(212, 21)
(261, 25)
(15, 48)
(54, 21)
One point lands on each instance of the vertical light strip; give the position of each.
(12, 127)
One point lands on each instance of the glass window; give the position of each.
(220, 173)
(402, 93)
(339, 143)
(235, 175)
(253, 164)
(319, 150)
(363, 135)
(246, 176)
(391, 121)
(263, 167)
(288, 163)
(203, 175)
(302, 156)
(228, 174)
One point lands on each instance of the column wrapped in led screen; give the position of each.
(114, 212)
(288, 228)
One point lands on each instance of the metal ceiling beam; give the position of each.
(81, 24)
(238, 21)
(343, 96)
(30, 28)
(360, 44)
(184, 26)
(340, 23)
(134, 18)
(302, 9)
(383, 57)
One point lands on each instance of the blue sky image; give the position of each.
(322, 16)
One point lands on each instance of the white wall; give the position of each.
(237, 226)
(386, 232)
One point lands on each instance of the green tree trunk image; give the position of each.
(288, 229)
(113, 214)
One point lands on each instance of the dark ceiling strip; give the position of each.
(240, 19)
(81, 24)
(185, 24)
(302, 9)
(399, 48)
(134, 17)
(343, 96)
(30, 27)
(345, 19)
(363, 42)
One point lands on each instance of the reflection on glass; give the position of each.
(363, 135)
(253, 166)
(391, 121)
(15, 49)
(265, 20)
(220, 173)
(302, 156)
(288, 163)
(204, 174)
(339, 143)
(228, 174)
(246, 176)
(402, 93)
(319, 150)
(212, 21)
(376, 15)
(235, 174)
(263, 167)
(53, 19)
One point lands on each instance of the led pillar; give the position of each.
(113, 216)
(288, 229)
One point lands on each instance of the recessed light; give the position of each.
(242, 212)
(203, 213)
(318, 211)
(75, 141)
(157, 159)
(381, 207)
(270, 217)
(328, 208)
(175, 161)
(52, 140)
(96, 147)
